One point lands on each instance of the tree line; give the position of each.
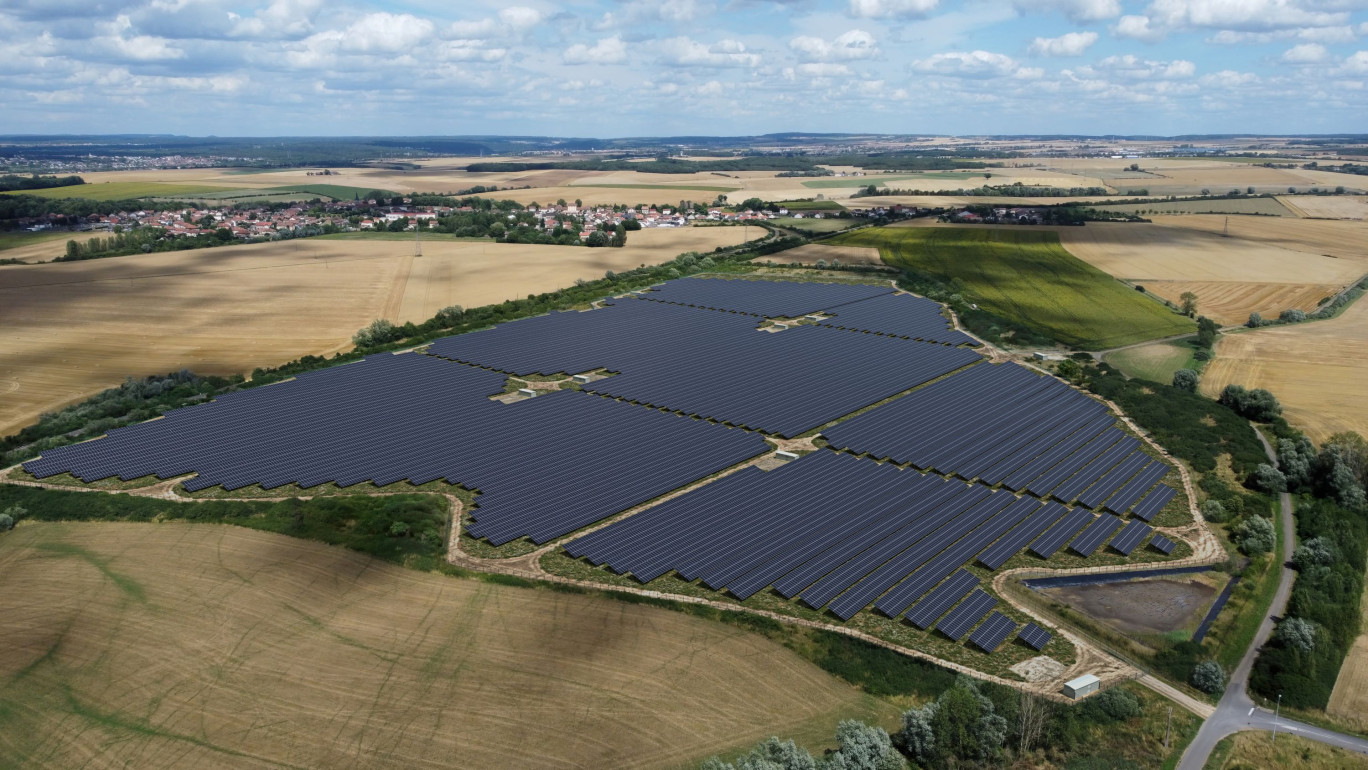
(12, 182)
(1014, 190)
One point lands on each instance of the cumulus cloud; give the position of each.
(117, 42)
(890, 9)
(1069, 44)
(384, 33)
(1331, 35)
(852, 45)
(685, 52)
(1306, 53)
(1131, 67)
(1137, 28)
(281, 19)
(1356, 64)
(710, 88)
(975, 64)
(1076, 10)
(1237, 16)
(520, 18)
(609, 50)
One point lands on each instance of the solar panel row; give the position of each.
(968, 613)
(1095, 534)
(992, 632)
(898, 315)
(760, 297)
(544, 467)
(1162, 544)
(1132, 535)
(1063, 530)
(709, 364)
(1154, 502)
(940, 599)
(1035, 636)
(998, 553)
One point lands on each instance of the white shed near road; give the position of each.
(1082, 686)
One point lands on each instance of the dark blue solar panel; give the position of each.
(898, 315)
(544, 467)
(1035, 636)
(940, 599)
(1114, 479)
(760, 297)
(1162, 544)
(1134, 489)
(998, 553)
(708, 364)
(1092, 537)
(1088, 474)
(1056, 536)
(993, 632)
(1154, 502)
(1131, 536)
(969, 612)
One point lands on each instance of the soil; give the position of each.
(1139, 606)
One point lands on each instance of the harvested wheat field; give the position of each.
(1231, 302)
(848, 255)
(181, 645)
(1327, 206)
(1317, 370)
(1349, 701)
(75, 328)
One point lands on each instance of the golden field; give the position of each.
(75, 328)
(180, 645)
(1316, 369)
(1230, 302)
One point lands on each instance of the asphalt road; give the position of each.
(1237, 711)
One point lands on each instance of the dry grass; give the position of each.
(1230, 302)
(75, 328)
(1317, 370)
(1349, 701)
(1259, 750)
(211, 646)
(849, 255)
(44, 246)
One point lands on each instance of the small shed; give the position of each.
(528, 392)
(780, 327)
(1082, 686)
(785, 455)
(582, 379)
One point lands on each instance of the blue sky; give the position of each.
(719, 67)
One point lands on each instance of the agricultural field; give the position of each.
(80, 327)
(1230, 302)
(175, 645)
(112, 191)
(1316, 369)
(1271, 207)
(1189, 176)
(1155, 362)
(1327, 206)
(1026, 276)
(824, 225)
(1349, 701)
(848, 255)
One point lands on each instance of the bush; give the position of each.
(1295, 633)
(1114, 705)
(1213, 511)
(1255, 321)
(1258, 404)
(1255, 535)
(1269, 479)
(1185, 379)
(379, 332)
(1209, 677)
(1292, 316)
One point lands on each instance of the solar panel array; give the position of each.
(1035, 636)
(1095, 534)
(1131, 536)
(1162, 544)
(713, 365)
(992, 632)
(770, 299)
(898, 315)
(544, 467)
(1005, 424)
(967, 613)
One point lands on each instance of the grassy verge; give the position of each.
(1027, 277)
(112, 484)
(1259, 749)
(1156, 362)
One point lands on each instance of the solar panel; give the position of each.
(993, 632)
(1162, 544)
(1131, 536)
(1056, 536)
(761, 297)
(1035, 636)
(996, 554)
(1154, 502)
(1134, 489)
(898, 315)
(1095, 534)
(940, 599)
(966, 614)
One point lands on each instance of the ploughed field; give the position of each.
(75, 328)
(178, 645)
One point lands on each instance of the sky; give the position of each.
(612, 68)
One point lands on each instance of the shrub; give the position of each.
(1269, 479)
(1257, 404)
(1113, 705)
(379, 332)
(1292, 316)
(1255, 535)
(6, 521)
(1215, 512)
(1255, 321)
(1296, 633)
(1185, 379)
(1208, 676)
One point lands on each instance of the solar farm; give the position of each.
(926, 465)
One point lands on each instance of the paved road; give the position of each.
(1237, 711)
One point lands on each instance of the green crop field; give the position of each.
(1266, 206)
(859, 181)
(114, 191)
(816, 225)
(1026, 276)
(15, 240)
(301, 192)
(1156, 362)
(704, 188)
(810, 205)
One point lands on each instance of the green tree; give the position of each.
(1070, 370)
(1214, 511)
(10, 515)
(1207, 330)
(631, 224)
(1185, 379)
(1255, 321)
(378, 332)
(862, 747)
(1209, 677)
(1269, 479)
(1292, 315)
(1254, 535)
(597, 238)
(1296, 634)
(73, 250)
(1189, 303)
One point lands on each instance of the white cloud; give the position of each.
(609, 50)
(852, 45)
(1228, 79)
(1338, 34)
(1131, 67)
(520, 18)
(469, 50)
(1244, 14)
(710, 88)
(824, 70)
(971, 64)
(281, 19)
(1306, 53)
(144, 48)
(1069, 44)
(1075, 10)
(384, 33)
(686, 52)
(888, 9)
(1356, 64)
(1136, 28)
